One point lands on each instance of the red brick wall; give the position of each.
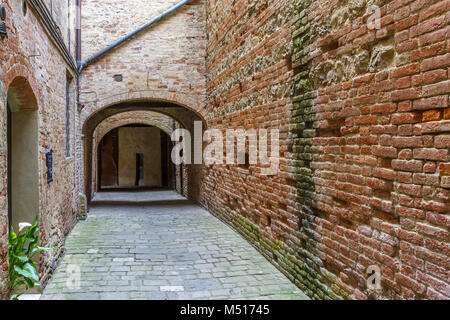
(28, 52)
(364, 176)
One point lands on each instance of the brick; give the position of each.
(433, 257)
(431, 103)
(407, 117)
(405, 70)
(412, 93)
(436, 89)
(432, 115)
(434, 295)
(432, 231)
(407, 142)
(431, 154)
(432, 50)
(383, 108)
(435, 62)
(444, 168)
(436, 127)
(410, 283)
(436, 9)
(434, 283)
(429, 77)
(432, 37)
(385, 152)
(409, 213)
(405, 165)
(428, 26)
(425, 179)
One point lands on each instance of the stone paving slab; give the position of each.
(160, 246)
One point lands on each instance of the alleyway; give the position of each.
(157, 245)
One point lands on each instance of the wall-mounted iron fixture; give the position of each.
(2, 12)
(2, 22)
(118, 78)
(24, 8)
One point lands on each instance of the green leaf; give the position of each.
(40, 249)
(12, 236)
(28, 271)
(23, 259)
(22, 247)
(30, 283)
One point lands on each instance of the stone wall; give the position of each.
(28, 52)
(364, 118)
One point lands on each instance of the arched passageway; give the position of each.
(23, 164)
(113, 137)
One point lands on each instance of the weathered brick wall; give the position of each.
(365, 140)
(28, 52)
(250, 77)
(166, 61)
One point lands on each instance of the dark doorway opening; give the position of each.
(139, 169)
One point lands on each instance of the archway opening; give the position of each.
(186, 179)
(23, 157)
(135, 156)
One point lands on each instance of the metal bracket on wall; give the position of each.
(3, 32)
(3, 27)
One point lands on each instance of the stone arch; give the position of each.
(188, 101)
(161, 121)
(21, 96)
(92, 116)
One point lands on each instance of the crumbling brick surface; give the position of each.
(28, 58)
(364, 149)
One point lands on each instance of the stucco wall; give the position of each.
(146, 141)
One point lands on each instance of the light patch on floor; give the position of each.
(171, 288)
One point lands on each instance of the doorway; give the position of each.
(23, 159)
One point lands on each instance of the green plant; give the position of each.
(23, 246)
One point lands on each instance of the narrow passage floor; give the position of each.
(158, 246)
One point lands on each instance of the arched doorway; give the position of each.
(134, 156)
(186, 179)
(23, 158)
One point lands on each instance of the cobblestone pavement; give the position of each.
(159, 246)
